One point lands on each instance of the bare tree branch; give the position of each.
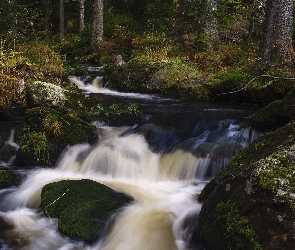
(253, 79)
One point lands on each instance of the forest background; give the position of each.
(188, 49)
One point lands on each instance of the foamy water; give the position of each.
(96, 87)
(164, 185)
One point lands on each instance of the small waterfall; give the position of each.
(96, 87)
(8, 151)
(162, 165)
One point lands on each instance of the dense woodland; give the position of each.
(235, 51)
(223, 43)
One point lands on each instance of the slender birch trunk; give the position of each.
(97, 33)
(61, 19)
(81, 16)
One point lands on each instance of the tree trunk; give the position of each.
(211, 28)
(61, 19)
(97, 33)
(46, 8)
(276, 43)
(81, 16)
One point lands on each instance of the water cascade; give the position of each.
(162, 165)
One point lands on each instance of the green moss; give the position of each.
(124, 114)
(275, 173)
(56, 196)
(74, 130)
(7, 178)
(62, 127)
(261, 148)
(225, 228)
(36, 144)
(86, 221)
(48, 131)
(274, 115)
(234, 228)
(82, 206)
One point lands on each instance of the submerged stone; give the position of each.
(83, 207)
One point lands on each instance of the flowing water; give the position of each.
(163, 163)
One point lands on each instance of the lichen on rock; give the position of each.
(41, 93)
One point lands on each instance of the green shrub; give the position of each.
(174, 74)
(36, 144)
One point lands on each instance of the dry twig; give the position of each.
(253, 79)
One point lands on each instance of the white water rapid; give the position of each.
(96, 87)
(165, 186)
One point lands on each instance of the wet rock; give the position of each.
(8, 178)
(259, 184)
(275, 115)
(83, 207)
(257, 188)
(47, 132)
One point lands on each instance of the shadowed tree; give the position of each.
(81, 15)
(276, 43)
(97, 33)
(61, 19)
(211, 27)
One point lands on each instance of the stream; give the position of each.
(163, 163)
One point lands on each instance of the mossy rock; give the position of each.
(60, 126)
(124, 114)
(275, 115)
(8, 178)
(83, 207)
(228, 229)
(260, 182)
(47, 132)
(87, 221)
(34, 150)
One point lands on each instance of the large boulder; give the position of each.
(262, 193)
(251, 203)
(83, 207)
(44, 93)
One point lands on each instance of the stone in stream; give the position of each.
(84, 207)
